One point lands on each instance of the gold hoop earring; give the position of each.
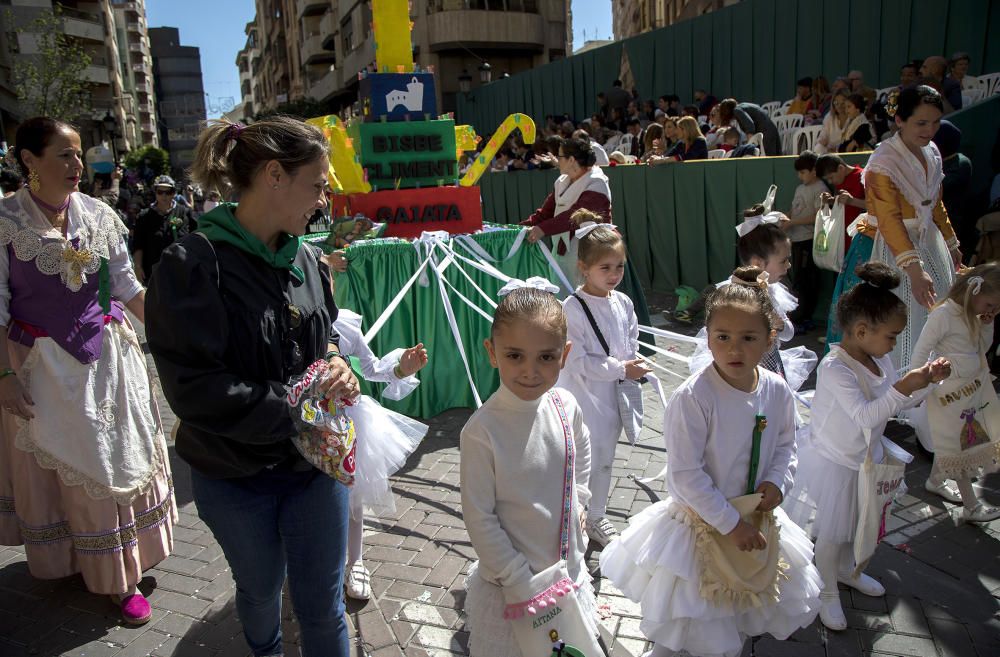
(34, 182)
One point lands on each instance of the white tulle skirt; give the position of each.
(384, 441)
(492, 636)
(824, 501)
(654, 563)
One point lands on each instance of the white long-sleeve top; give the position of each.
(373, 368)
(591, 374)
(841, 411)
(85, 217)
(711, 436)
(513, 457)
(946, 334)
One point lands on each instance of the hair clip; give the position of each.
(976, 283)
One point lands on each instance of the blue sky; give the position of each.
(216, 27)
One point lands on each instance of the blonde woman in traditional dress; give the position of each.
(84, 479)
(963, 412)
(718, 561)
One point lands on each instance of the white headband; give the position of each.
(586, 227)
(976, 283)
(761, 282)
(536, 282)
(749, 223)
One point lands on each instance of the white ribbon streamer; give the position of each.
(391, 308)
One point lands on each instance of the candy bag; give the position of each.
(326, 435)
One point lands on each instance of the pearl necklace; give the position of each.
(59, 216)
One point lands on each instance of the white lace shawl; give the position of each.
(920, 188)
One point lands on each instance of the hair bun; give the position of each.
(748, 274)
(878, 274)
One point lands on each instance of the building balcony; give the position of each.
(87, 28)
(146, 107)
(138, 47)
(139, 68)
(310, 7)
(134, 26)
(322, 88)
(313, 51)
(244, 76)
(485, 29)
(148, 126)
(143, 87)
(97, 74)
(329, 27)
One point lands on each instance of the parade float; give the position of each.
(423, 265)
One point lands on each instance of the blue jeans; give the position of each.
(276, 523)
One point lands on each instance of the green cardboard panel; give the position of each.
(408, 153)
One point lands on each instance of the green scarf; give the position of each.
(220, 225)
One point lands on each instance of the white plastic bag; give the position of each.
(828, 237)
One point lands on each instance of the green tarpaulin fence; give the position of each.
(753, 50)
(378, 269)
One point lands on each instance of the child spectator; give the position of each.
(802, 220)
(846, 180)
(802, 102)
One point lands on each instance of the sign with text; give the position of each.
(398, 96)
(407, 154)
(409, 212)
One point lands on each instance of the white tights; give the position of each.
(355, 532)
(831, 560)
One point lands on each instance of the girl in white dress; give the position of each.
(826, 495)
(718, 560)
(963, 412)
(603, 355)
(764, 243)
(524, 470)
(385, 438)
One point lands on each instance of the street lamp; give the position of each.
(464, 81)
(110, 126)
(485, 73)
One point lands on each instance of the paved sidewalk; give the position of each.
(942, 579)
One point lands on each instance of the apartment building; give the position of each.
(113, 33)
(180, 93)
(316, 48)
(632, 17)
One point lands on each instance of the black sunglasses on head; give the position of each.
(166, 191)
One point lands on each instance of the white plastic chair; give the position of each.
(972, 96)
(803, 139)
(757, 139)
(786, 125)
(717, 154)
(990, 83)
(771, 107)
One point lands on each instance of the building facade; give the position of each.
(632, 17)
(113, 33)
(299, 49)
(180, 93)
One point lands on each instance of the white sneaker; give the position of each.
(864, 584)
(601, 531)
(980, 513)
(944, 489)
(831, 614)
(357, 583)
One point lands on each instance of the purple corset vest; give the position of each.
(74, 320)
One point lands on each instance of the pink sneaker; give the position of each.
(136, 609)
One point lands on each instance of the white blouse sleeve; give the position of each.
(687, 479)
(843, 385)
(373, 368)
(124, 284)
(633, 327)
(478, 482)
(781, 469)
(597, 366)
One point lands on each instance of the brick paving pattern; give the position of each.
(942, 578)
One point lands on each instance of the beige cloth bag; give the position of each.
(731, 576)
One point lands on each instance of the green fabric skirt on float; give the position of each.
(379, 269)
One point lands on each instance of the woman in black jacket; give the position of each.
(235, 311)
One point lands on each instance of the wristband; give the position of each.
(398, 373)
(7, 372)
(336, 354)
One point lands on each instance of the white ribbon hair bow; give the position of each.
(761, 282)
(749, 223)
(586, 227)
(536, 282)
(976, 283)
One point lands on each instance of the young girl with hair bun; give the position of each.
(857, 391)
(963, 412)
(717, 560)
(604, 330)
